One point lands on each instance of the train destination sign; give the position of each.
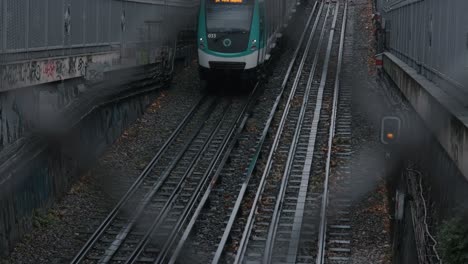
(229, 1)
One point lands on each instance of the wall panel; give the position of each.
(431, 35)
(40, 25)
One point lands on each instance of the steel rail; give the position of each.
(239, 124)
(250, 221)
(111, 216)
(273, 228)
(176, 192)
(323, 216)
(207, 193)
(254, 160)
(125, 231)
(306, 173)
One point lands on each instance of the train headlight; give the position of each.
(254, 45)
(202, 43)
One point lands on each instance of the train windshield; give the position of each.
(229, 16)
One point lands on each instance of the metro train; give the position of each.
(236, 37)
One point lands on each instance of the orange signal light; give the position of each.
(390, 131)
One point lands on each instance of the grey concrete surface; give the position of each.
(443, 115)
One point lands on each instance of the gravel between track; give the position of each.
(58, 234)
(371, 240)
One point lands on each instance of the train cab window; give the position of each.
(229, 16)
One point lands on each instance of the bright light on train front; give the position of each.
(254, 45)
(202, 43)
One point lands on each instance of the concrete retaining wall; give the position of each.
(442, 114)
(435, 148)
(38, 168)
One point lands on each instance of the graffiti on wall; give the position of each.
(30, 73)
(145, 56)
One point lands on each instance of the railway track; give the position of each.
(160, 200)
(191, 204)
(262, 224)
(213, 223)
(281, 211)
(334, 230)
(287, 206)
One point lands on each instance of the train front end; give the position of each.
(228, 39)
